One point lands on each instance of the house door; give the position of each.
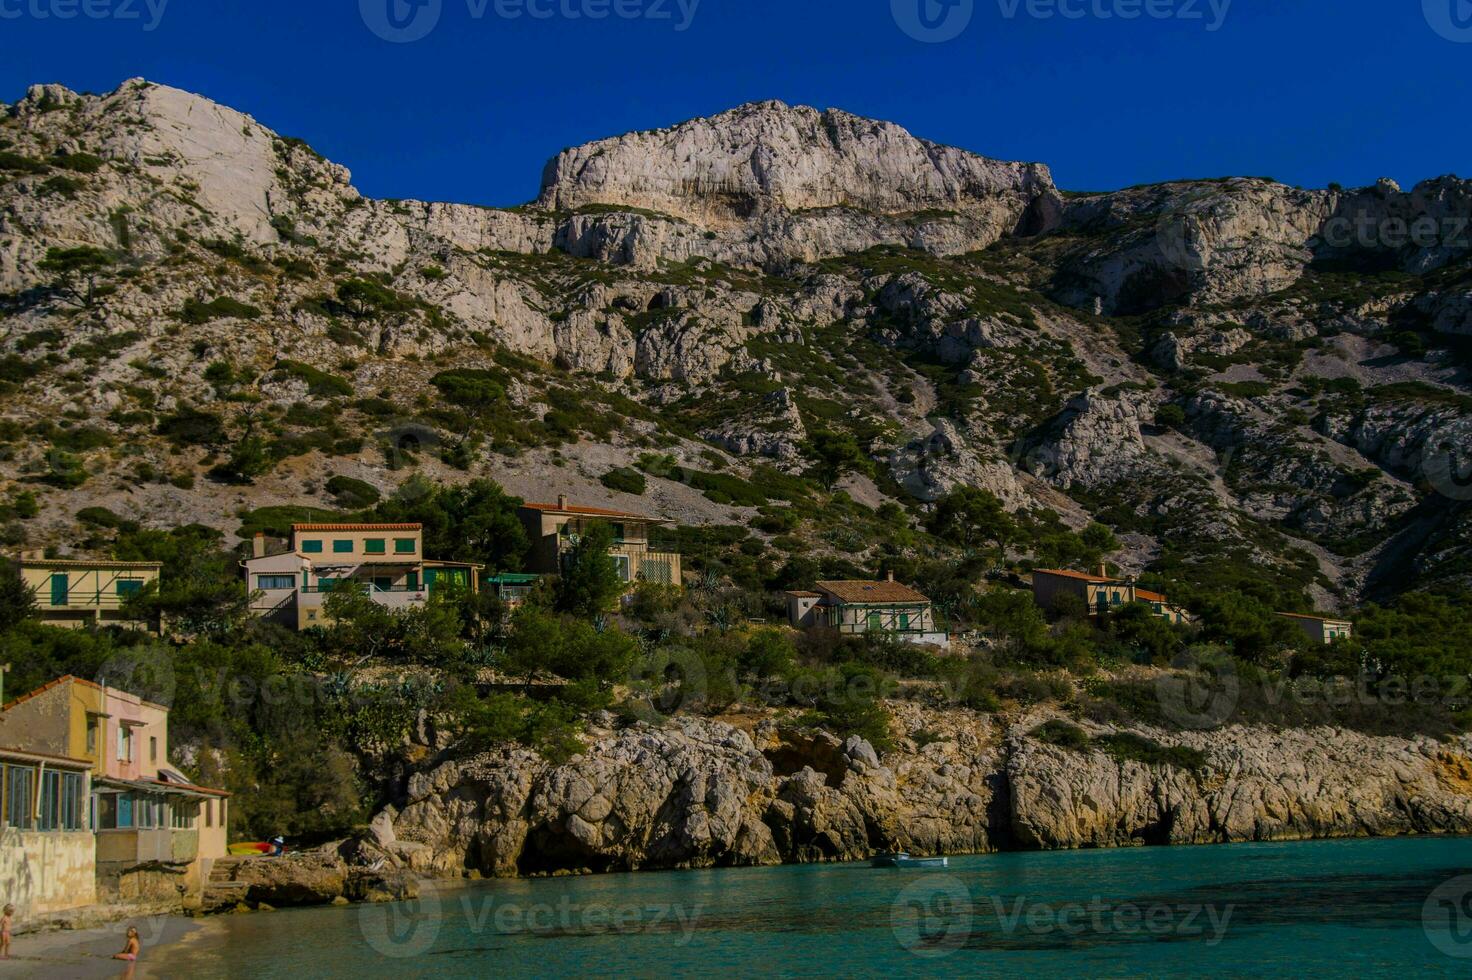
(60, 590)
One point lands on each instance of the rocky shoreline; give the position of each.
(696, 793)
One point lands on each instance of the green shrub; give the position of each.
(624, 480)
(319, 383)
(351, 494)
(192, 427)
(198, 312)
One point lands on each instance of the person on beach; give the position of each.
(278, 846)
(132, 949)
(5, 920)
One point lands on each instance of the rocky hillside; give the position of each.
(704, 793)
(200, 317)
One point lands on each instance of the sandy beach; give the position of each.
(87, 953)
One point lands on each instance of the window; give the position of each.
(375, 546)
(46, 818)
(904, 621)
(73, 801)
(125, 744)
(272, 582)
(311, 547)
(20, 783)
(383, 583)
(342, 547)
(618, 533)
(152, 748)
(125, 811)
(60, 590)
(406, 546)
(876, 621)
(127, 587)
(92, 734)
(326, 584)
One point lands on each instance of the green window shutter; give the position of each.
(129, 587)
(405, 546)
(375, 546)
(342, 547)
(311, 547)
(904, 621)
(60, 590)
(383, 584)
(412, 580)
(876, 621)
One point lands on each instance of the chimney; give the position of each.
(33, 556)
(562, 501)
(258, 546)
(890, 576)
(1103, 570)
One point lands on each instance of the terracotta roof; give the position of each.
(879, 592)
(1316, 618)
(69, 679)
(1081, 576)
(806, 595)
(1150, 596)
(85, 563)
(356, 527)
(27, 754)
(591, 512)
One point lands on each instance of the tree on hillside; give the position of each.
(590, 580)
(475, 522)
(75, 272)
(17, 603)
(973, 517)
(838, 453)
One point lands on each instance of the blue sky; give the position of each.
(1307, 91)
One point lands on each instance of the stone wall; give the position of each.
(42, 873)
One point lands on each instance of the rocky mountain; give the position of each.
(1237, 376)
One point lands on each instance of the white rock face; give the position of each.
(769, 156)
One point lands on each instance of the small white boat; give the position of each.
(899, 859)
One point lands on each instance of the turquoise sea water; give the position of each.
(1319, 909)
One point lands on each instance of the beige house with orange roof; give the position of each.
(1099, 592)
(1321, 629)
(80, 592)
(385, 560)
(156, 832)
(554, 528)
(857, 607)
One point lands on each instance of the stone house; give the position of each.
(554, 528)
(858, 607)
(1099, 592)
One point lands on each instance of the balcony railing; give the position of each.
(77, 599)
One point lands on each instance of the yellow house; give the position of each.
(385, 560)
(1099, 592)
(156, 833)
(78, 592)
(555, 528)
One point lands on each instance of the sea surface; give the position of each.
(1360, 908)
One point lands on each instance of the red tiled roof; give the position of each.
(1150, 596)
(806, 595)
(1316, 618)
(878, 592)
(1081, 576)
(589, 511)
(357, 527)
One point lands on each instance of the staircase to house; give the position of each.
(222, 890)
